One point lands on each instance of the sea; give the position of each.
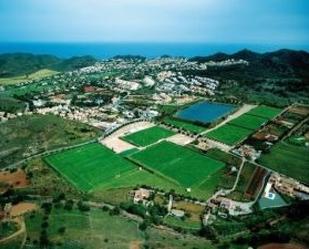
(149, 50)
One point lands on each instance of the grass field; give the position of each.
(89, 166)
(34, 76)
(97, 229)
(240, 128)
(229, 134)
(265, 111)
(28, 135)
(239, 193)
(183, 165)
(148, 136)
(289, 160)
(248, 121)
(184, 125)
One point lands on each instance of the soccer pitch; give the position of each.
(89, 166)
(186, 167)
(229, 134)
(248, 121)
(265, 111)
(148, 136)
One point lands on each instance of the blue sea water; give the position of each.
(150, 50)
(205, 112)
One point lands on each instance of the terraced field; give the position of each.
(89, 166)
(148, 136)
(184, 166)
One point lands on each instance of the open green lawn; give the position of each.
(290, 160)
(178, 163)
(184, 125)
(89, 166)
(34, 76)
(248, 121)
(265, 111)
(229, 134)
(148, 136)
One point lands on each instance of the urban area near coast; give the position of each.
(169, 152)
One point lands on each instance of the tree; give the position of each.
(61, 230)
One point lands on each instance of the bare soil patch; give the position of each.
(22, 208)
(17, 179)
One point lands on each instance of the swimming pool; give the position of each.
(205, 112)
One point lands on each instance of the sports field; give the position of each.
(229, 134)
(178, 163)
(265, 111)
(240, 128)
(184, 125)
(89, 166)
(148, 136)
(248, 121)
(288, 159)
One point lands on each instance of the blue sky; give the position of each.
(221, 21)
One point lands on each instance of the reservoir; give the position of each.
(205, 112)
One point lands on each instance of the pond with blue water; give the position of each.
(205, 112)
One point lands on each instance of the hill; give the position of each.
(281, 63)
(274, 76)
(21, 64)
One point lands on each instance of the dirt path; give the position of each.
(20, 221)
(244, 109)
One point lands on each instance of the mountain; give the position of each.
(18, 64)
(281, 63)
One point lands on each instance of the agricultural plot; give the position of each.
(265, 111)
(248, 121)
(148, 136)
(184, 166)
(184, 125)
(288, 159)
(89, 166)
(229, 134)
(93, 229)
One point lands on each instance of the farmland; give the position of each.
(34, 76)
(288, 159)
(186, 167)
(89, 166)
(148, 136)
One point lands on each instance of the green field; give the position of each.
(248, 121)
(97, 229)
(34, 76)
(184, 125)
(265, 111)
(229, 134)
(183, 165)
(148, 136)
(32, 134)
(89, 166)
(289, 160)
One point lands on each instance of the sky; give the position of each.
(212, 21)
